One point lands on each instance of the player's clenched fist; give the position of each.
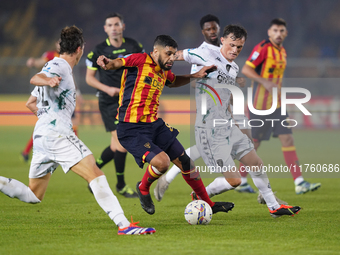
(54, 82)
(102, 61)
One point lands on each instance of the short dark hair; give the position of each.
(114, 15)
(208, 18)
(165, 40)
(237, 30)
(70, 39)
(279, 22)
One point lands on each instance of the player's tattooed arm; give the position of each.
(179, 55)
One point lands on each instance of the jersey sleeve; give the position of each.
(257, 56)
(51, 69)
(91, 60)
(170, 78)
(132, 60)
(195, 56)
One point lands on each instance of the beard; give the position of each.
(162, 64)
(214, 41)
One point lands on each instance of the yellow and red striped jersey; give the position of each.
(142, 84)
(269, 62)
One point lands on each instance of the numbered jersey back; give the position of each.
(57, 104)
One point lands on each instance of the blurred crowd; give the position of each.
(31, 27)
(313, 25)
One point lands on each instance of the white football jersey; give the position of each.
(217, 99)
(57, 104)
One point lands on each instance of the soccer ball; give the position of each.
(198, 212)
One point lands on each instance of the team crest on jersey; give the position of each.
(147, 145)
(148, 80)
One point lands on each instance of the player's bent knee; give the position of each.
(163, 166)
(161, 161)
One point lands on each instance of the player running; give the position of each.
(210, 26)
(55, 143)
(39, 63)
(265, 66)
(147, 137)
(219, 145)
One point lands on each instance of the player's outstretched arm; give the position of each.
(41, 79)
(36, 62)
(179, 56)
(182, 80)
(109, 64)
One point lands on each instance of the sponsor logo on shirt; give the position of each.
(254, 56)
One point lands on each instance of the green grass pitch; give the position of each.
(69, 221)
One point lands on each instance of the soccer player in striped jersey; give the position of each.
(147, 137)
(220, 143)
(265, 66)
(210, 27)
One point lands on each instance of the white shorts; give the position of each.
(242, 121)
(220, 146)
(50, 152)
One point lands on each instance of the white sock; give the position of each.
(16, 189)
(243, 180)
(218, 186)
(261, 181)
(193, 153)
(298, 180)
(108, 201)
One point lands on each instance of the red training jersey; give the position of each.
(142, 84)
